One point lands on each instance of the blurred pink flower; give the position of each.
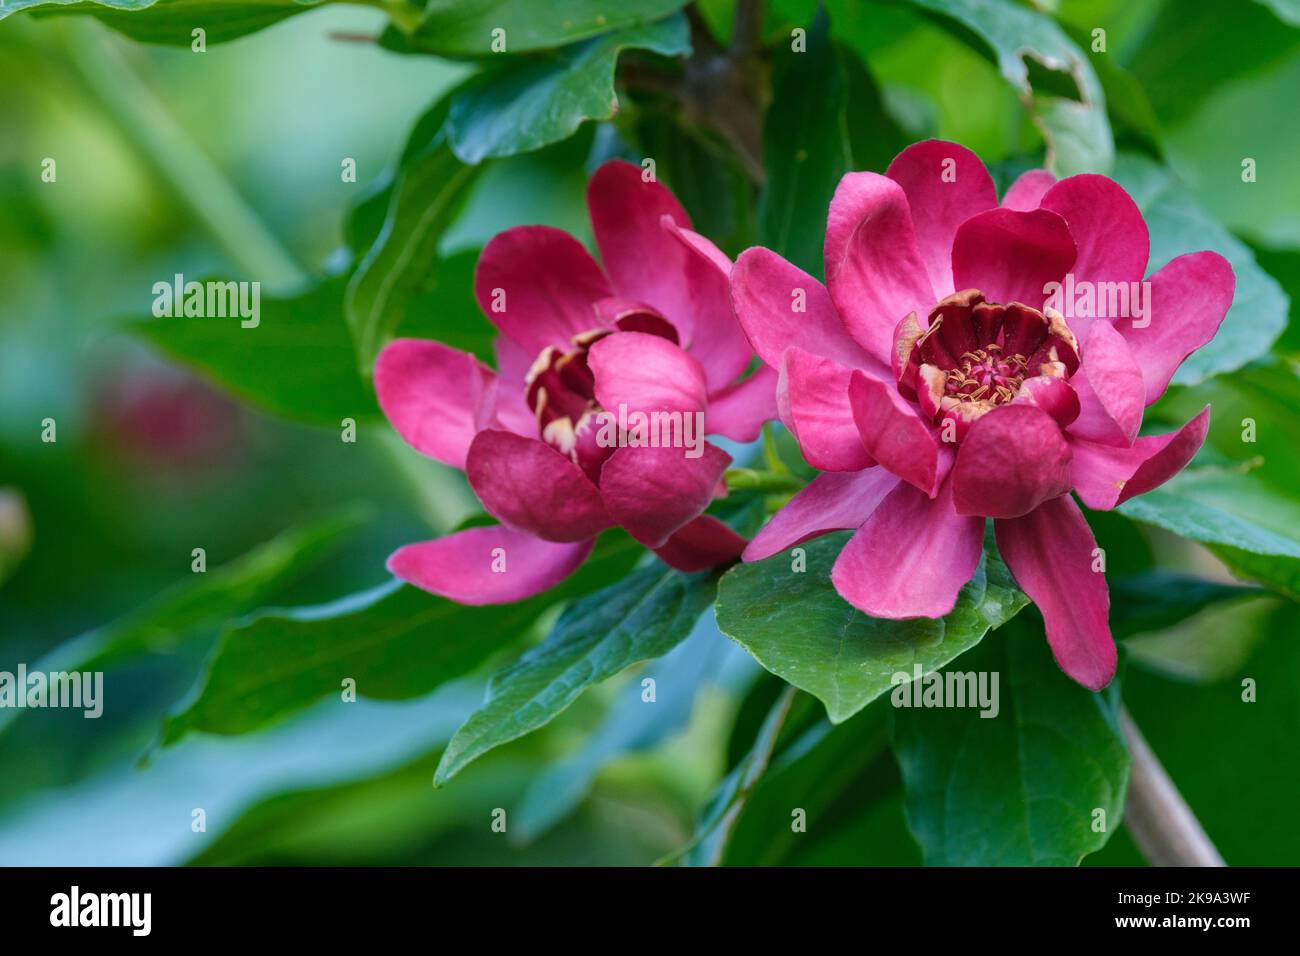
(933, 382)
(652, 331)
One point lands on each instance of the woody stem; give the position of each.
(1159, 819)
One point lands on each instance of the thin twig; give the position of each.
(1162, 824)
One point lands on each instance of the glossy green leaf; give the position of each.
(1256, 402)
(1249, 525)
(1021, 788)
(642, 617)
(172, 22)
(1160, 599)
(797, 626)
(1031, 50)
(1178, 225)
(542, 99)
(805, 148)
(395, 641)
(203, 601)
(710, 840)
(297, 362)
(464, 28)
(428, 193)
(632, 725)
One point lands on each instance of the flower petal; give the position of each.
(813, 397)
(513, 363)
(1011, 256)
(1051, 551)
(438, 398)
(1110, 234)
(895, 436)
(717, 341)
(874, 269)
(945, 185)
(646, 373)
(643, 260)
(1110, 389)
(701, 544)
(529, 486)
(911, 557)
(1189, 298)
(833, 501)
(780, 305)
(1028, 190)
(653, 492)
(487, 565)
(1053, 394)
(1012, 460)
(739, 410)
(537, 285)
(1104, 477)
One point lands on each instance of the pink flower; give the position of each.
(651, 332)
(931, 409)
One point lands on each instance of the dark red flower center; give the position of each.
(974, 355)
(987, 375)
(561, 389)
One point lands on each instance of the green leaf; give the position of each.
(1242, 520)
(297, 362)
(1159, 599)
(1261, 397)
(709, 843)
(1224, 49)
(1023, 42)
(798, 627)
(631, 726)
(1020, 788)
(805, 148)
(428, 193)
(1177, 226)
(1230, 753)
(203, 601)
(171, 22)
(543, 99)
(448, 311)
(843, 779)
(1210, 645)
(395, 641)
(642, 617)
(875, 138)
(702, 173)
(464, 28)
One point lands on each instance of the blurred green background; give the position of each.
(228, 162)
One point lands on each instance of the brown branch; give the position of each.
(1162, 824)
(720, 90)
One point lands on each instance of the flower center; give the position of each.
(986, 375)
(561, 388)
(973, 355)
